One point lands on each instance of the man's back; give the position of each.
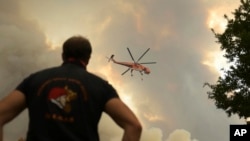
(65, 102)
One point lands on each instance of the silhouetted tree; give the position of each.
(232, 90)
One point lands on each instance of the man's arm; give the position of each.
(125, 118)
(10, 107)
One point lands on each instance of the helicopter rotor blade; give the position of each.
(125, 71)
(143, 54)
(131, 55)
(148, 63)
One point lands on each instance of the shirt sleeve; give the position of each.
(23, 86)
(110, 92)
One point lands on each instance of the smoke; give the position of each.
(152, 134)
(155, 134)
(110, 132)
(23, 50)
(22, 45)
(180, 135)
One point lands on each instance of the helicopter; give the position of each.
(135, 65)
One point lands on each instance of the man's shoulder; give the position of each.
(45, 71)
(49, 69)
(97, 77)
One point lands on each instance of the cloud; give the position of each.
(23, 50)
(22, 42)
(180, 135)
(155, 134)
(152, 134)
(108, 130)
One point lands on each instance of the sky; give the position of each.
(170, 102)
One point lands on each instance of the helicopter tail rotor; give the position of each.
(111, 57)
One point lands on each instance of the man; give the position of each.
(66, 102)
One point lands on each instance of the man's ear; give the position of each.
(86, 62)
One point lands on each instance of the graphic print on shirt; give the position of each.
(62, 97)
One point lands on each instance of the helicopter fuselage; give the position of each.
(133, 66)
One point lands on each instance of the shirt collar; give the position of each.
(75, 62)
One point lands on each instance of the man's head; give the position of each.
(78, 48)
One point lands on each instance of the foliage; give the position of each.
(232, 91)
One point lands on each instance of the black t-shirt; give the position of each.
(65, 103)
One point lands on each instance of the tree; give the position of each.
(232, 91)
